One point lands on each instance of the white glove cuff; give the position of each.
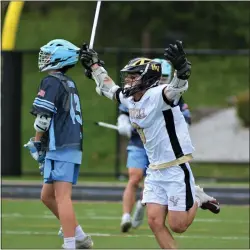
(124, 125)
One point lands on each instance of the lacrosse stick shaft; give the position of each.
(92, 38)
(107, 125)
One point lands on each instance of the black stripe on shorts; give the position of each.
(189, 196)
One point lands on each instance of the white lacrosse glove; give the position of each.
(35, 150)
(124, 125)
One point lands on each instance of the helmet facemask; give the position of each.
(140, 78)
(131, 83)
(43, 59)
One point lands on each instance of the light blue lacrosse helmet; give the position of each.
(166, 68)
(57, 54)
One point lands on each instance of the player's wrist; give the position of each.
(185, 71)
(95, 66)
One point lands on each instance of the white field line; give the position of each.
(86, 202)
(129, 236)
(91, 217)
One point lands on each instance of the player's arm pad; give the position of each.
(42, 122)
(104, 84)
(175, 89)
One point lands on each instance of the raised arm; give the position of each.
(104, 84)
(179, 84)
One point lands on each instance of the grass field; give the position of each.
(28, 224)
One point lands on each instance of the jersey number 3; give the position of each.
(75, 109)
(140, 132)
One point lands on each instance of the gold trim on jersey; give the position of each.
(178, 161)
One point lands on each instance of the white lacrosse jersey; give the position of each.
(162, 128)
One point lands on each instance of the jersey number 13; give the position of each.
(75, 109)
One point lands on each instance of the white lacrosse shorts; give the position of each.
(173, 187)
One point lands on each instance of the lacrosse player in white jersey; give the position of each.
(137, 162)
(169, 187)
(137, 159)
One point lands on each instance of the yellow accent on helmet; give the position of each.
(140, 61)
(155, 67)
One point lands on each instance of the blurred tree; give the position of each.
(135, 23)
(201, 24)
(4, 5)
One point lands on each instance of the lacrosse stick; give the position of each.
(107, 125)
(92, 38)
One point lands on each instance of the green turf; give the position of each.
(220, 170)
(28, 224)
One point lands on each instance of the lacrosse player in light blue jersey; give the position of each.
(58, 140)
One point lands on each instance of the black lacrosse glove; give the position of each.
(89, 57)
(176, 55)
(87, 72)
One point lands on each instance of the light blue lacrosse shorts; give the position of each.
(137, 158)
(60, 171)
